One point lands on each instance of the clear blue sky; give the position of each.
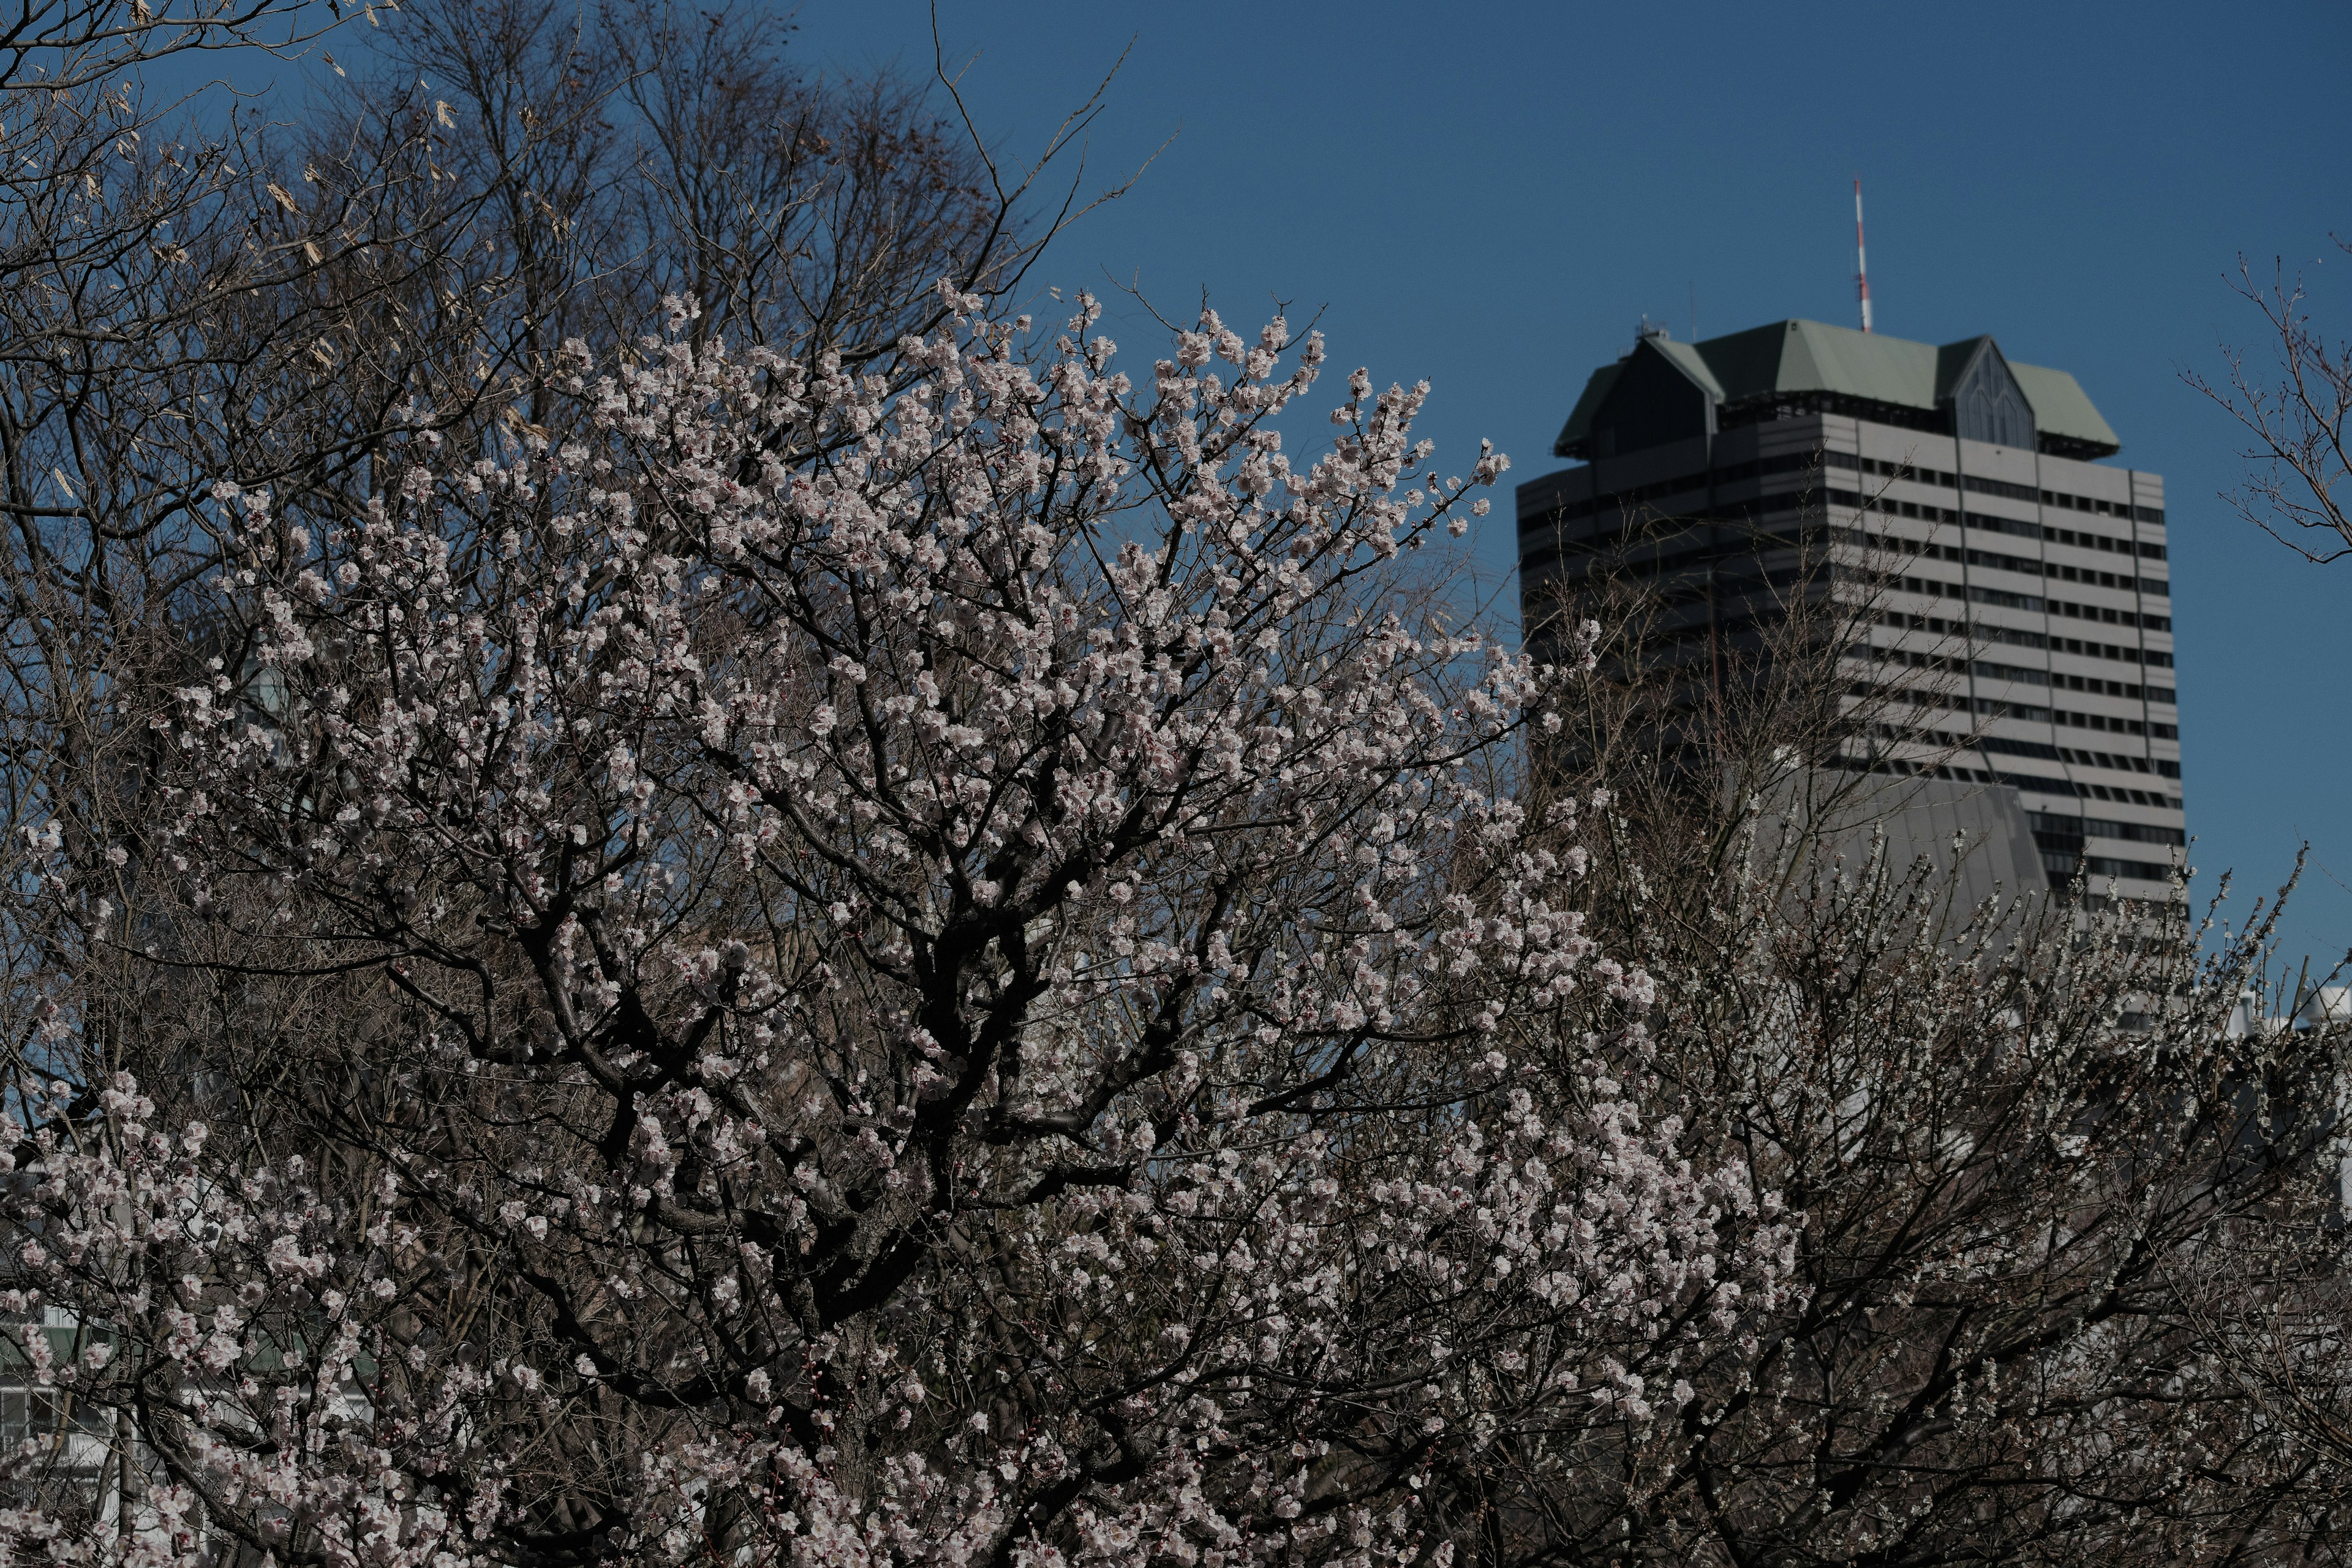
(1492, 196)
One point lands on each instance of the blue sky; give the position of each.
(1492, 195)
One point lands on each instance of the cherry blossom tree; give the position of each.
(860, 932)
(950, 971)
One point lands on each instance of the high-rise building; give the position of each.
(1961, 496)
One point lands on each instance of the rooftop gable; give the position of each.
(1799, 357)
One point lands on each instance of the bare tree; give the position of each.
(2297, 413)
(2268, 1292)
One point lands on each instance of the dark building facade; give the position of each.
(1961, 498)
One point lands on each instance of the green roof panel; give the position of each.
(2060, 405)
(1691, 363)
(1798, 356)
(1821, 358)
(1580, 418)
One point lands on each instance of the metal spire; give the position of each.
(1861, 259)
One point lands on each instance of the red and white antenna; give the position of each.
(1861, 257)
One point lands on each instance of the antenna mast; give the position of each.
(1861, 257)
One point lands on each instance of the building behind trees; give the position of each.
(1996, 591)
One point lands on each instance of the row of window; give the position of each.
(2006, 600)
(1980, 631)
(1920, 550)
(2114, 726)
(1741, 517)
(1953, 664)
(2034, 713)
(2074, 789)
(2123, 689)
(2043, 752)
(2061, 838)
(2069, 788)
(2153, 658)
(2099, 541)
(2047, 753)
(2059, 864)
(1732, 473)
(2153, 588)
(2130, 797)
(1984, 522)
(1982, 486)
(2059, 680)
(2080, 828)
(1996, 708)
(2073, 682)
(1682, 484)
(2056, 679)
(1991, 670)
(2107, 614)
(1928, 512)
(1984, 631)
(2122, 764)
(41, 1412)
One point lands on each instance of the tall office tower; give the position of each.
(2016, 583)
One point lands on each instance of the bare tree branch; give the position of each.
(2298, 414)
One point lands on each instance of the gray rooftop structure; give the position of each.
(1665, 390)
(1979, 837)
